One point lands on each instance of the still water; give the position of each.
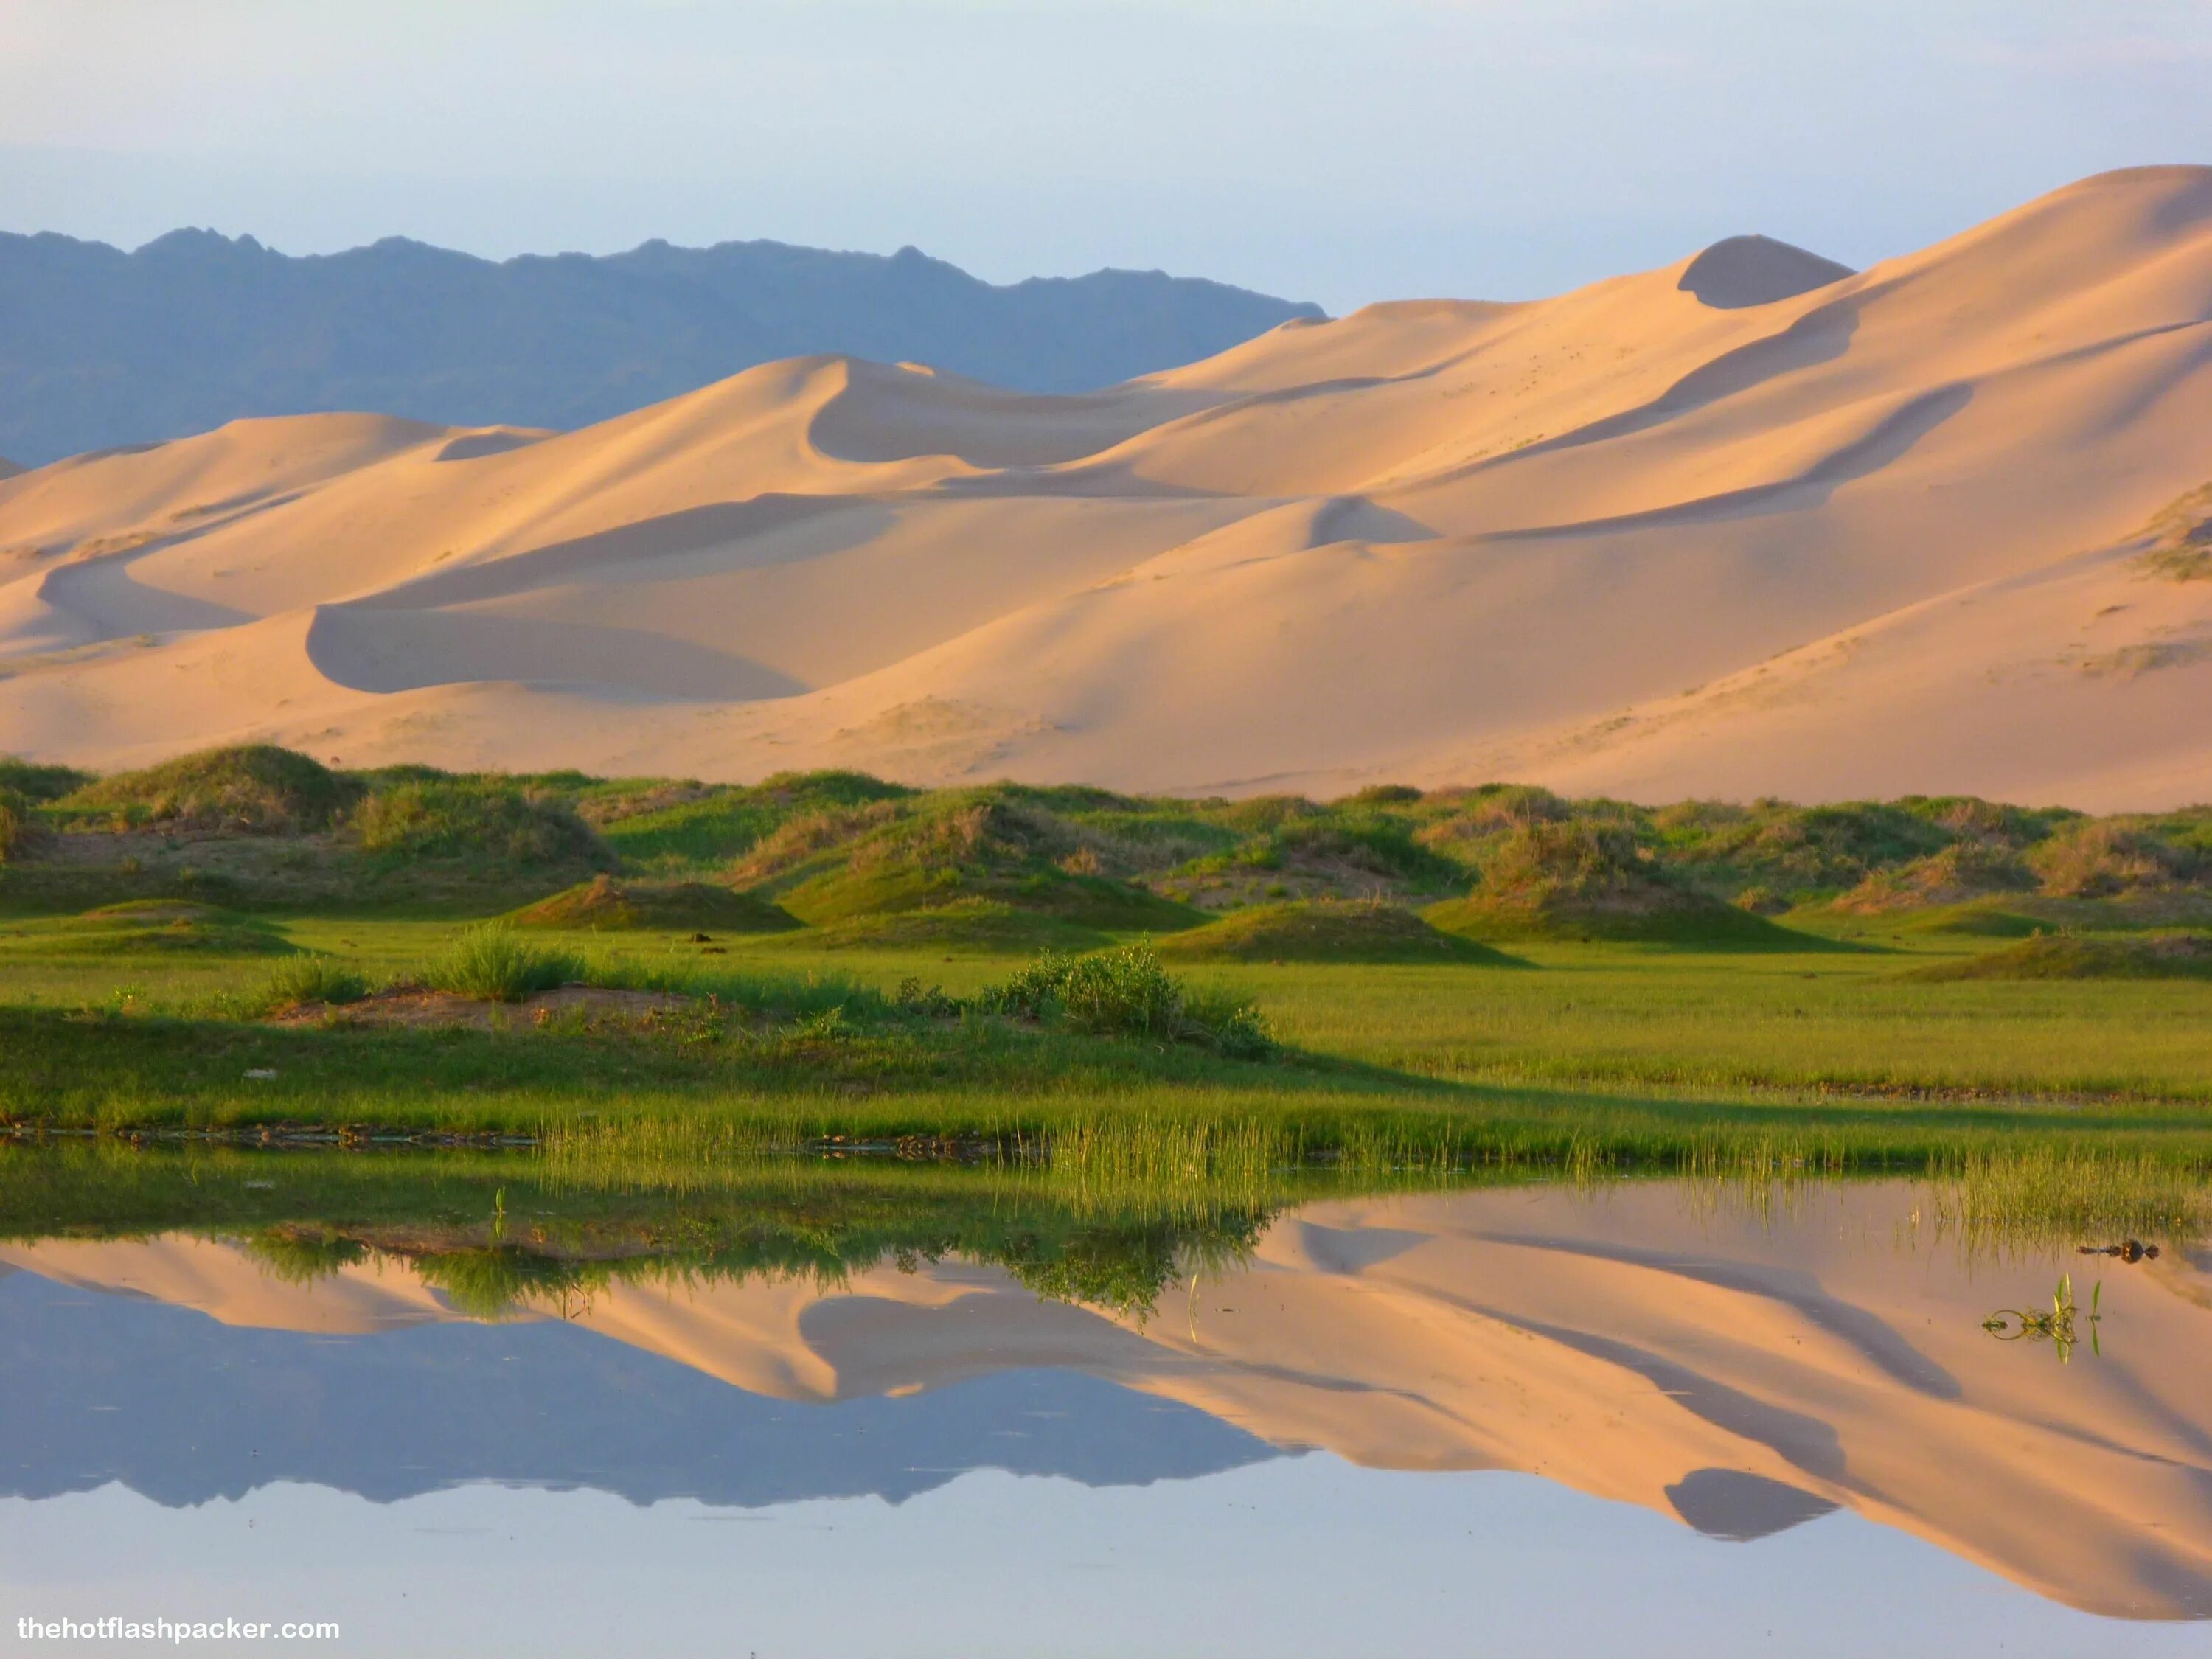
(1535, 1421)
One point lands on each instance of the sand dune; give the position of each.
(1741, 1372)
(1749, 523)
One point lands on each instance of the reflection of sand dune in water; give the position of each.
(1742, 1377)
(1433, 542)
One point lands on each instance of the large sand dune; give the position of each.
(1748, 524)
(1739, 1369)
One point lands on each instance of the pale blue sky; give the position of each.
(1340, 150)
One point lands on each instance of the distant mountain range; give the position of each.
(100, 348)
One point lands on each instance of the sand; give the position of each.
(1747, 524)
(1739, 1369)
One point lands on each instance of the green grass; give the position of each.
(1658, 1014)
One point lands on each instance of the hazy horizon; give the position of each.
(1323, 151)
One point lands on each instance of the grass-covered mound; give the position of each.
(159, 927)
(1549, 879)
(835, 846)
(438, 816)
(1324, 931)
(661, 826)
(2076, 955)
(257, 789)
(1286, 847)
(980, 925)
(604, 902)
(1001, 845)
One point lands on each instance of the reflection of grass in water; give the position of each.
(1991, 1201)
(1106, 1214)
(302, 1255)
(2043, 1195)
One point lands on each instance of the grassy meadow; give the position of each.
(248, 943)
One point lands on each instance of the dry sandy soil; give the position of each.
(1748, 524)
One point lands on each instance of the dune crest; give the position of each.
(1756, 271)
(1751, 523)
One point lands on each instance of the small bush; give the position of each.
(307, 980)
(490, 962)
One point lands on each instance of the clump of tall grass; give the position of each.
(23, 833)
(1125, 992)
(304, 981)
(489, 961)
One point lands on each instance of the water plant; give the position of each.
(2058, 1327)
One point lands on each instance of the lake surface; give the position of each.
(1650, 1418)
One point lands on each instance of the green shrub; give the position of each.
(489, 961)
(456, 818)
(257, 789)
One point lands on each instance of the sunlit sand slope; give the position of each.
(1749, 523)
(1742, 1372)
